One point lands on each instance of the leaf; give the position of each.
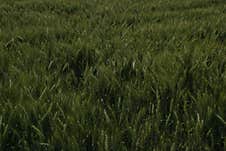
(47, 112)
(37, 131)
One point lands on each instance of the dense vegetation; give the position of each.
(113, 75)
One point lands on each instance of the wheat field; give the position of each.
(112, 75)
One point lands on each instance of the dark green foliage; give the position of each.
(101, 75)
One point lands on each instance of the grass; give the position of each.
(101, 75)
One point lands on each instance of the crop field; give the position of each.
(112, 75)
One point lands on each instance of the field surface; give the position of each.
(112, 75)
